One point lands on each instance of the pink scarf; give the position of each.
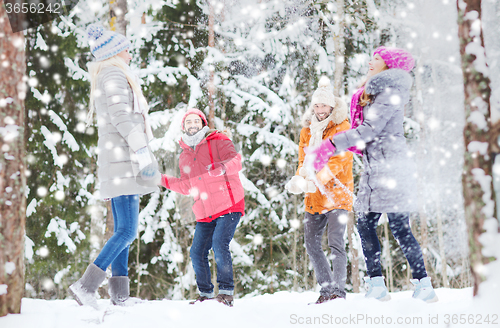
(356, 115)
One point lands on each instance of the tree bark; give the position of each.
(388, 256)
(12, 167)
(339, 44)
(117, 11)
(211, 85)
(339, 51)
(477, 177)
(421, 153)
(354, 254)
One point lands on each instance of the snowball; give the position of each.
(48, 284)
(178, 257)
(265, 160)
(281, 163)
(43, 251)
(295, 223)
(343, 219)
(59, 195)
(391, 183)
(194, 192)
(257, 239)
(204, 195)
(395, 99)
(41, 191)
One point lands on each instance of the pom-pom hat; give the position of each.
(105, 44)
(396, 57)
(194, 111)
(324, 94)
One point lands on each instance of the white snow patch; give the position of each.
(9, 267)
(31, 208)
(477, 146)
(3, 289)
(40, 42)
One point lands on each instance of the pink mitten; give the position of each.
(320, 155)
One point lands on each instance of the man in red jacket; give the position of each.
(209, 167)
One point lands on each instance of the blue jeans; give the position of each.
(115, 252)
(400, 227)
(217, 235)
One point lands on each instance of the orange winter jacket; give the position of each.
(336, 173)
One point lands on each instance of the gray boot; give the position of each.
(119, 290)
(85, 288)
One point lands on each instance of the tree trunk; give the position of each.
(387, 250)
(437, 175)
(421, 152)
(339, 51)
(339, 44)
(354, 254)
(12, 167)
(117, 11)
(294, 249)
(477, 178)
(211, 85)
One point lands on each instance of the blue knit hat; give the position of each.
(105, 44)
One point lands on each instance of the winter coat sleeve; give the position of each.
(228, 155)
(302, 144)
(180, 185)
(116, 90)
(337, 163)
(375, 119)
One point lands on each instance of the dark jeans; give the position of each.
(217, 235)
(331, 282)
(115, 252)
(401, 230)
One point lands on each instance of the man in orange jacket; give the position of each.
(330, 198)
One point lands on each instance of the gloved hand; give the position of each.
(143, 157)
(320, 155)
(149, 172)
(216, 169)
(298, 185)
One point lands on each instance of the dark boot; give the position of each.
(84, 289)
(323, 299)
(119, 290)
(225, 299)
(201, 299)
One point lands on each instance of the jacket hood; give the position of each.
(391, 78)
(339, 113)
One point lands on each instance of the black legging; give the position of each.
(400, 227)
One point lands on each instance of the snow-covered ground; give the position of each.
(456, 308)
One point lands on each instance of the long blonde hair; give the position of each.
(96, 67)
(366, 98)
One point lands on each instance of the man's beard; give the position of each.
(192, 131)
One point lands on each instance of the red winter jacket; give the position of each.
(213, 196)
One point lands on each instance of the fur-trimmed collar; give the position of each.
(339, 113)
(391, 78)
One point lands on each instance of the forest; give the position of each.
(251, 66)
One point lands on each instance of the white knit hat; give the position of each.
(105, 44)
(324, 94)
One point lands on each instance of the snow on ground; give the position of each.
(282, 309)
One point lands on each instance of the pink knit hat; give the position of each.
(193, 111)
(396, 58)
